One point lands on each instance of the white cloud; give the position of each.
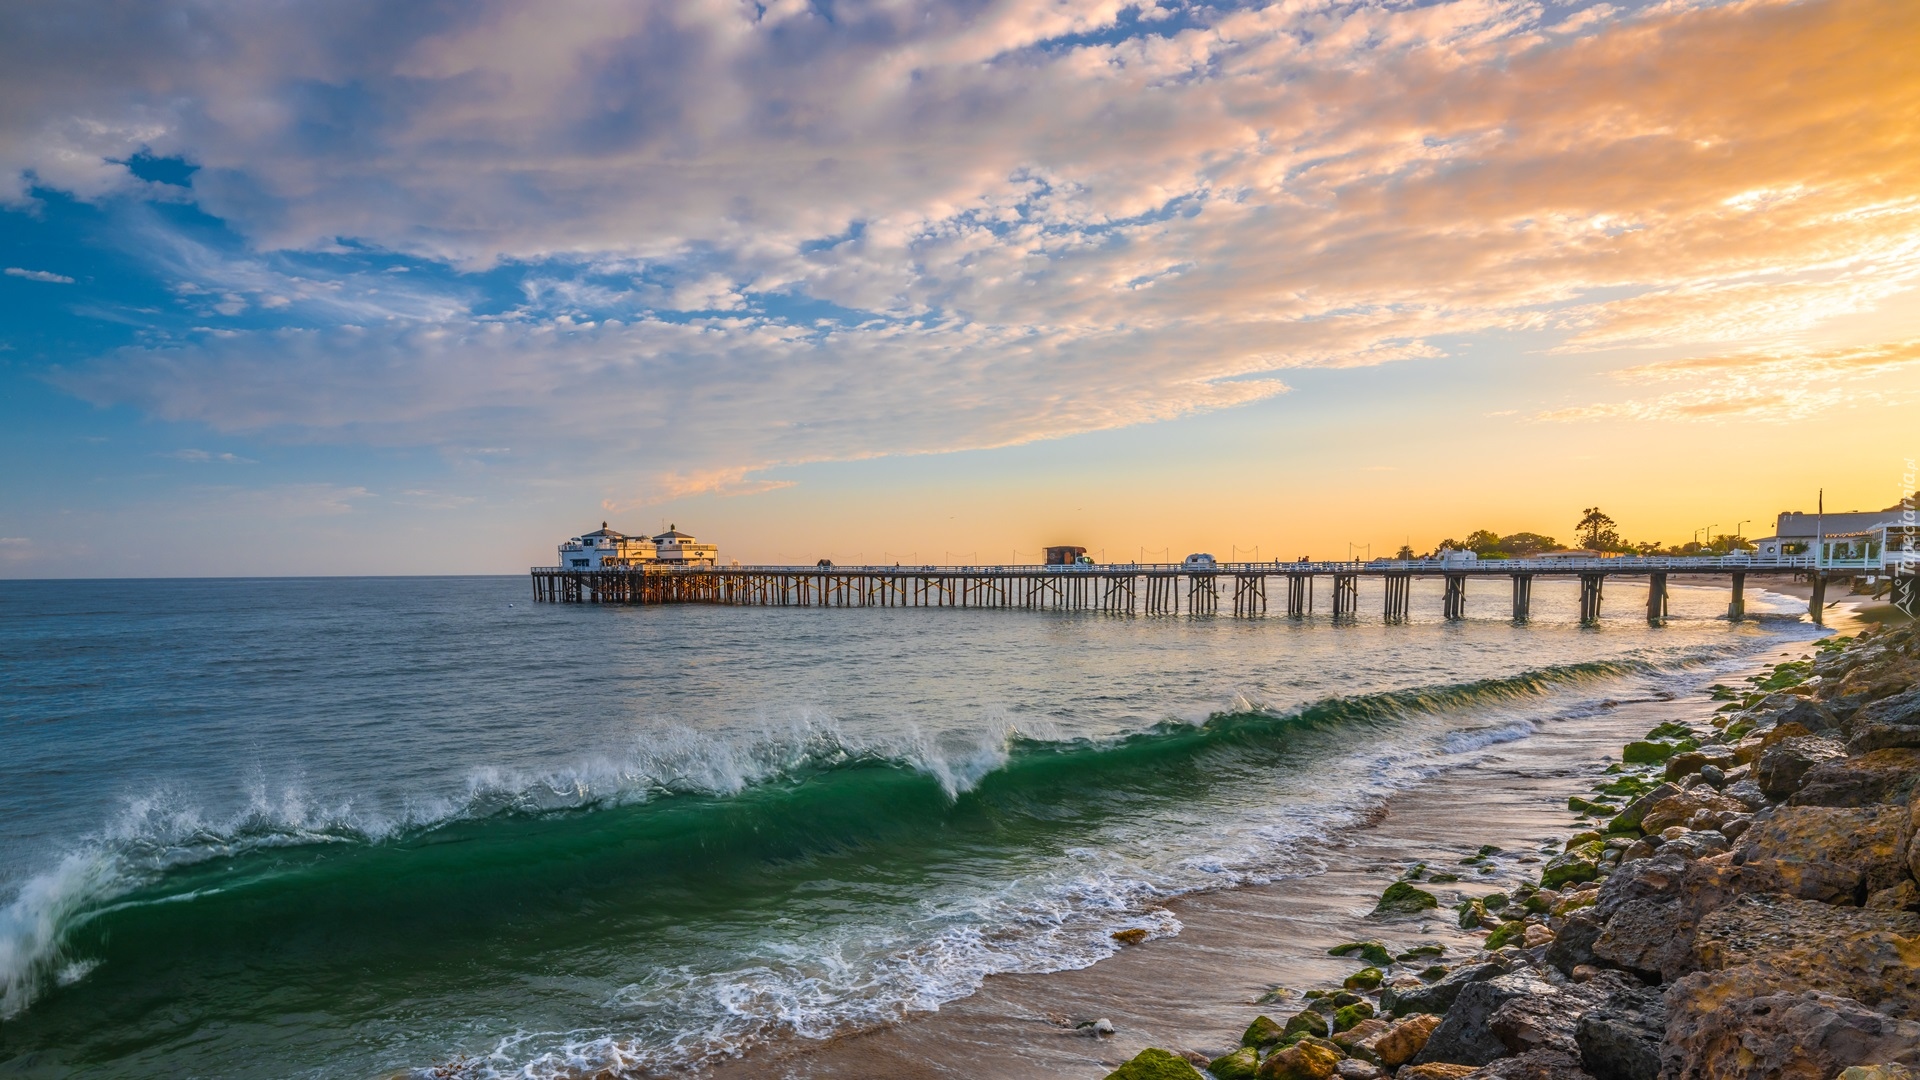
(39, 275)
(748, 235)
(205, 457)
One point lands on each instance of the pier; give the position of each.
(1174, 589)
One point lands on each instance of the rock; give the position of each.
(1878, 684)
(1809, 715)
(1745, 791)
(1132, 936)
(1904, 896)
(1580, 864)
(1714, 775)
(1759, 945)
(1573, 945)
(1694, 761)
(1310, 1021)
(1304, 1060)
(1465, 1035)
(1371, 951)
(1434, 1071)
(1793, 1035)
(1506, 934)
(1536, 936)
(1356, 1069)
(1879, 776)
(1649, 910)
(1242, 1064)
(1421, 952)
(1439, 997)
(1535, 1065)
(1888, 1071)
(1358, 1040)
(1834, 854)
(1351, 1015)
(1154, 1063)
(1103, 1026)
(1401, 898)
(1404, 1040)
(1620, 1039)
(1782, 767)
(1629, 819)
(1366, 978)
(1696, 844)
(1262, 1033)
(1679, 809)
(1647, 751)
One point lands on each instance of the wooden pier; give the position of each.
(1160, 589)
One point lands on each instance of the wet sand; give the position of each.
(1198, 989)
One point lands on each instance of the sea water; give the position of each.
(354, 827)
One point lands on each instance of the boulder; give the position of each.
(1629, 819)
(1888, 1071)
(1242, 1064)
(1696, 844)
(1878, 776)
(1262, 1033)
(1714, 1031)
(1572, 866)
(1534, 1065)
(1358, 1041)
(1154, 1063)
(1434, 1071)
(1440, 996)
(1371, 951)
(1693, 761)
(1763, 944)
(1367, 978)
(1833, 854)
(1573, 945)
(1466, 1035)
(1545, 1019)
(1404, 1040)
(1871, 684)
(1357, 1069)
(1892, 722)
(1745, 791)
(1679, 809)
(1783, 766)
(1352, 1015)
(1305, 1060)
(1650, 908)
(1401, 898)
(1620, 1039)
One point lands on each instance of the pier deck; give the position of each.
(1240, 589)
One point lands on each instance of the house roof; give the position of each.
(611, 534)
(674, 534)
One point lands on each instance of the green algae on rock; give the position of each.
(1154, 1063)
(1372, 952)
(1401, 898)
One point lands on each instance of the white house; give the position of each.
(607, 549)
(676, 548)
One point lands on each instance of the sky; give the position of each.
(378, 288)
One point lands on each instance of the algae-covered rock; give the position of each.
(1154, 1063)
(1349, 1015)
(1473, 913)
(1309, 1022)
(1307, 1059)
(1506, 935)
(1421, 952)
(1358, 1040)
(1628, 820)
(1242, 1064)
(1367, 978)
(1401, 898)
(1572, 867)
(1647, 752)
(1262, 1033)
(1371, 951)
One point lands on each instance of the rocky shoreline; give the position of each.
(1744, 902)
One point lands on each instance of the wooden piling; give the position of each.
(1522, 597)
(1590, 588)
(1656, 597)
(1455, 604)
(1817, 606)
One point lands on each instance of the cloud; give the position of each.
(203, 457)
(39, 275)
(1763, 385)
(742, 236)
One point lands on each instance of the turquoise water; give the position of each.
(359, 827)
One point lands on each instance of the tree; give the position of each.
(1483, 542)
(1597, 531)
(1405, 552)
(1522, 544)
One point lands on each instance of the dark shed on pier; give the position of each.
(1063, 555)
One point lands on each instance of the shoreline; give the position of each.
(1182, 991)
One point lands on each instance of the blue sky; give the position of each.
(373, 289)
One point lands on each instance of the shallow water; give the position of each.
(346, 827)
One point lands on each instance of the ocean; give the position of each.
(366, 827)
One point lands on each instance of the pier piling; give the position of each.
(1656, 597)
(1522, 597)
(1590, 597)
(1455, 603)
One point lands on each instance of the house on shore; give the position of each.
(1843, 534)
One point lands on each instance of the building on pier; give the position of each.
(607, 549)
(610, 549)
(1064, 555)
(676, 548)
